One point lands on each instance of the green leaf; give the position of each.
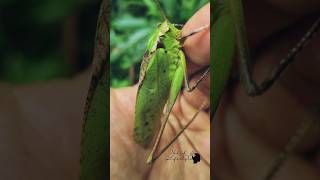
(128, 21)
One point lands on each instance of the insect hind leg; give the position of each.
(186, 80)
(155, 157)
(254, 89)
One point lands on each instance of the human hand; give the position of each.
(251, 132)
(128, 159)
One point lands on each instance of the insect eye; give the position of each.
(160, 45)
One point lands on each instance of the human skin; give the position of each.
(40, 129)
(40, 124)
(128, 159)
(251, 132)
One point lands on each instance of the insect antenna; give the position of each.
(161, 10)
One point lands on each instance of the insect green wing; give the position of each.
(223, 48)
(156, 75)
(151, 98)
(151, 47)
(95, 140)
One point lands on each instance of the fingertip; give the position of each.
(197, 47)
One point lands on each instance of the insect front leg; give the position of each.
(195, 31)
(183, 59)
(186, 80)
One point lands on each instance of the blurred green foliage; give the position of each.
(33, 38)
(132, 23)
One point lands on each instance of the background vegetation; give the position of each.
(47, 39)
(132, 23)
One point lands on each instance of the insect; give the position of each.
(228, 19)
(162, 73)
(230, 36)
(94, 147)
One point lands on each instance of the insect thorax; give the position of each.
(169, 40)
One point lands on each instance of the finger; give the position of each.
(197, 47)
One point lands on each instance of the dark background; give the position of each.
(47, 39)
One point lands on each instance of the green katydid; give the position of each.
(229, 32)
(95, 141)
(162, 73)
